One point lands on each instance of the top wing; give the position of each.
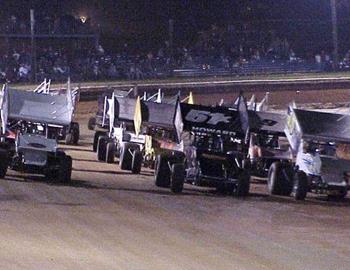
(34, 107)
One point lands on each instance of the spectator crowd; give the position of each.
(216, 48)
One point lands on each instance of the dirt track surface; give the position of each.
(111, 219)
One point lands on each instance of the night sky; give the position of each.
(149, 18)
(199, 14)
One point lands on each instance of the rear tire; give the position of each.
(4, 160)
(101, 148)
(177, 178)
(162, 172)
(300, 186)
(339, 196)
(96, 136)
(246, 164)
(92, 123)
(125, 159)
(68, 140)
(110, 152)
(243, 184)
(65, 172)
(136, 163)
(75, 133)
(280, 179)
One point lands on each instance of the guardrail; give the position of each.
(92, 91)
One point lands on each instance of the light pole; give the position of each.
(33, 49)
(334, 31)
(171, 44)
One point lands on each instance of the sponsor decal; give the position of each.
(198, 116)
(213, 131)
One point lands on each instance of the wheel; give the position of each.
(96, 136)
(341, 194)
(243, 184)
(4, 159)
(125, 159)
(101, 148)
(162, 172)
(246, 164)
(92, 123)
(69, 138)
(152, 165)
(65, 169)
(300, 186)
(117, 151)
(110, 152)
(221, 188)
(280, 179)
(136, 162)
(177, 177)
(75, 133)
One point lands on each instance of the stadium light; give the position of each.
(82, 18)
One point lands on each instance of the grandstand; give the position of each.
(68, 46)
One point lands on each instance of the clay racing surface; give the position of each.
(110, 219)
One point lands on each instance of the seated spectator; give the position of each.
(23, 72)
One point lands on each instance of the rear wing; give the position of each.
(124, 109)
(267, 122)
(162, 116)
(181, 117)
(212, 120)
(316, 126)
(37, 108)
(143, 113)
(72, 94)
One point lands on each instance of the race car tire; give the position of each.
(4, 160)
(110, 152)
(243, 184)
(101, 148)
(177, 177)
(162, 172)
(65, 169)
(117, 150)
(287, 175)
(91, 123)
(125, 158)
(341, 194)
(300, 186)
(75, 133)
(96, 136)
(63, 173)
(246, 164)
(279, 179)
(136, 162)
(68, 140)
